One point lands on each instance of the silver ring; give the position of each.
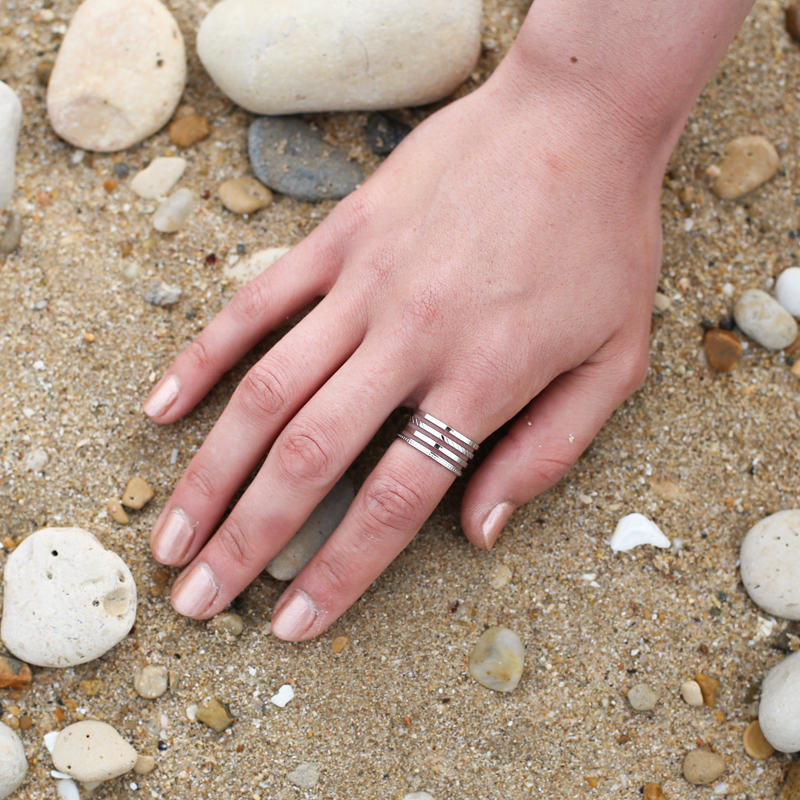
(435, 439)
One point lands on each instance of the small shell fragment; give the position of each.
(284, 695)
(634, 530)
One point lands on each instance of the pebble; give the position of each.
(345, 55)
(10, 121)
(770, 563)
(290, 156)
(746, 163)
(642, 697)
(93, 751)
(792, 18)
(120, 72)
(497, 659)
(708, 687)
(779, 710)
(339, 643)
(158, 177)
(68, 789)
(12, 234)
(243, 270)
(765, 320)
(36, 459)
(227, 622)
(67, 600)
(702, 767)
(163, 294)
(188, 130)
(787, 290)
(13, 764)
(634, 530)
(314, 532)
(215, 714)
(652, 791)
(692, 693)
(138, 493)
(150, 682)
(116, 511)
(244, 195)
(14, 674)
(306, 776)
(661, 304)
(755, 743)
(791, 783)
(44, 69)
(173, 212)
(283, 697)
(795, 370)
(500, 577)
(723, 349)
(384, 133)
(144, 765)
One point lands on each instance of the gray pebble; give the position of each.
(384, 133)
(291, 157)
(163, 294)
(305, 776)
(150, 682)
(765, 320)
(642, 697)
(12, 235)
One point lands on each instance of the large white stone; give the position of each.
(67, 600)
(13, 764)
(770, 564)
(10, 119)
(93, 751)
(155, 180)
(290, 56)
(119, 75)
(779, 709)
(787, 290)
(765, 320)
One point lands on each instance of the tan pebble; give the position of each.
(746, 163)
(25, 723)
(9, 544)
(796, 368)
(669, 490)
(652, 791)
(791, 784)
(160, 576)
(692, 693)
(227, 622)
(755, 743)
(244, 195)
(593, 781)
(91, 687)
(215, 714)
(723, 349)
(144, 765)
(117, 512)
(44, 69)
(661, 303)
(184, 110)
(12, 722)
(500, 577)
(702, 767)
(189, 130)
(339, 644)
(497, 659)
(137, 493)
(708, 686)
(88, 337)
(642, 697)
(150, 682)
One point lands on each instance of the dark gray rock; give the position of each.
(291, 157)
(385, 133)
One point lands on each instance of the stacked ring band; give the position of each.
(445, 445)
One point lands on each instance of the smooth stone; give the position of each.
(36, 459)
(155, 180)
(14, 674)
(44, 70)
(384, 133)
(310, 55)
(188, 130)
(497, 659)
(117, 512)
(244, 195)
(144, 765)
(746, 163)
(792, 19)
(642, 697)
(692, 693)
(138, 493)
(755, 743)
(227, 622)
(708, 687)
(163, 294)
(10, 121)
(634, 530)
(702, 767)
(661, 304)
(244, 270)
(119, 75)
(67, 600)
(290, 156)
(770, 564)
(306, 776)
(779, 710)
(765, 320)
(787, 290)
(13, 764)
(12, 234)
(723, 349)
(93, 751)
(150, 682)
(215, 714)
(314, 532)
(172, 214)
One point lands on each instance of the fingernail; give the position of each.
(173, 538)
(294, 618)
(195, 593)
(495, 522)
(163, 397)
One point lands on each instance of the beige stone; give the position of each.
(244, 195)
(701, 767)
(746, 163)
(93, 751)
(137, 494)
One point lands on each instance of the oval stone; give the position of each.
(770, 564)
(701, 767)
(746, 163)
(67, 600)
(787, 290)
(93, 751)
(497, 659)
(10, 120)
(13, 764)
(765, 320)
(119, 75)
(329, 55)
(779, 709)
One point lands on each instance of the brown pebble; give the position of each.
(91, 687)
(215, 714)
(14, 674)
(184, 110)
(593, 781)
(88, 337)
(702, 767)
(708, 686)
(43, 71)
(792, 15)
(160, 576)
(59, 715)
(723, 349)
(25, 723)
(137, 494)
(189, 130)
(652, 791)
(244, 195)
(746, 163)
(755, 743)
(12, 234)
(791, 784)
(109, 185)
(339, 643)
(796, 369)
(117, 512)
(9, 544)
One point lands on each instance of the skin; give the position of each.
(500, 265)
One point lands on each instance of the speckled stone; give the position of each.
(10, 121)
(779, 709)
(642, 697)
(702, 767)
(151, 681)
(765, 320)
(306, 776)
(93, 751)
(227, 622)
(215, 714)
(746, 163)
(244, 195)
(497, 659)
(13, 764)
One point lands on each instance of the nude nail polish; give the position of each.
(194, 593)
(495, 522)
(163, 397)
(172, 540)
(294, 618)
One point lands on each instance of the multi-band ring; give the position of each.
(438, 441)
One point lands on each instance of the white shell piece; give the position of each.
(50, 741)
(54, 773)
(634, 530)
(285, 694)
(68, 790)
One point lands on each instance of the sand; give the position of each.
(396, 710)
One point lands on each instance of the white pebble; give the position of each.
(13, 764)
(779, 710)
(68, 790)
(50, 740)
(284, 695)
(634, 530)
(150, 682)
(171, 215)
(243, 270)
(159, 177)
(765, 320)
(93, 751)
(642, 697)
(10, 120)
(787, 290)
(692, 693)
(497, 659)
(418, 796)
(36, 459)
(191, 711)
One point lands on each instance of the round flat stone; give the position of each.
(702, 767)
(13, 764)
(497, 659)
(642, 697)
(779, 709)
(755, 743)
(93, 751)
(151, 682)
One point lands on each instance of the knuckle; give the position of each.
(249, 302)
(235, 545)
(392, 505)
(634, 373)
(333, 570)
(262, 393)
(306, 453)
(201, 482)
(551, 470)
(199, 354)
